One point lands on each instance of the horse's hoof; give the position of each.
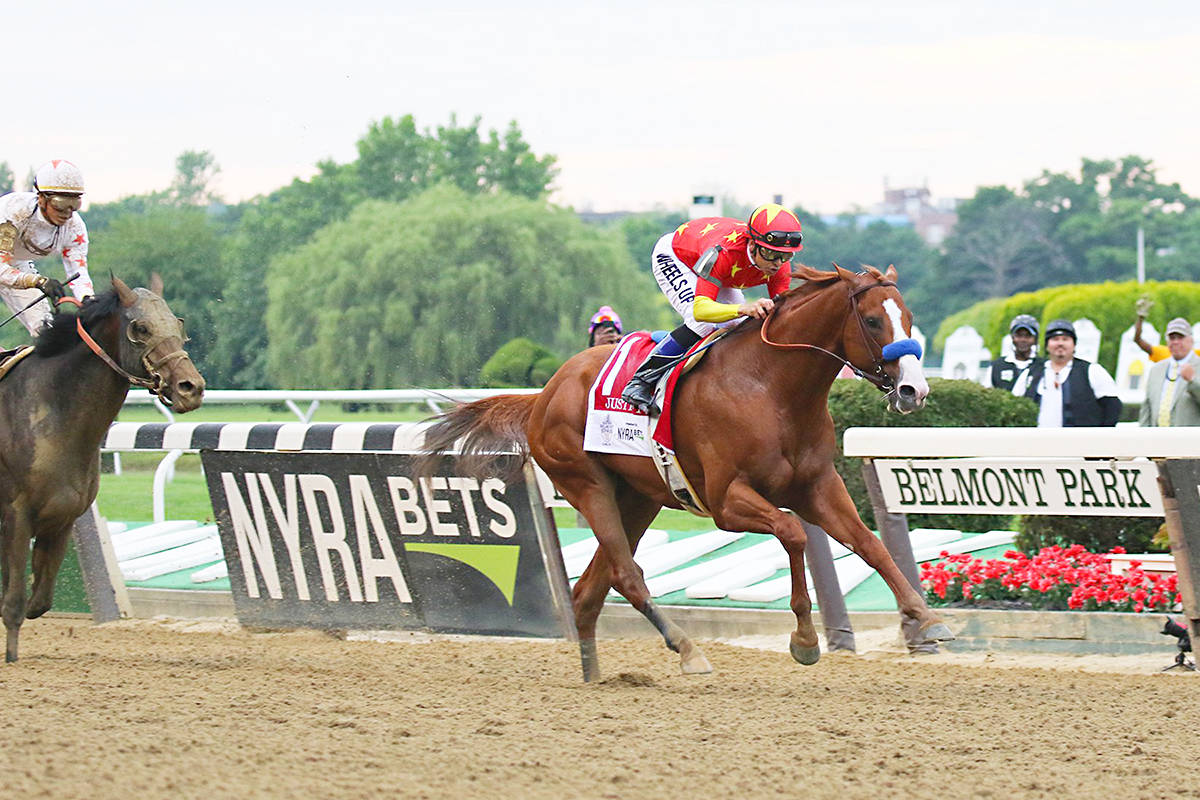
(696, 664)
(938, 632)
(692, 660)
(804, 654)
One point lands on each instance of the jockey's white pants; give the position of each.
(678, 283)
(34, 318)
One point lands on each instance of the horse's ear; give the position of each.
(156, 284)
(125, 294)
(891, 273)
(844, 274)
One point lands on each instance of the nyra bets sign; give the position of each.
(1073, 487)
(353, 540)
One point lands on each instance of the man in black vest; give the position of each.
(1003, 372)
(1071, 392)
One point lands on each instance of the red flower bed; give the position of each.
(1055, 579)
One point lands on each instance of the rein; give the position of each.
(153, 384)
(877, 377)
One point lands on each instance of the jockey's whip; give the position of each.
(35, 302)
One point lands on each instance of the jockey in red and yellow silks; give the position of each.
(702, 267)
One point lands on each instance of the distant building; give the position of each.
(933, 222)
(910, 207)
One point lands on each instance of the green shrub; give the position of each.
(856, 404)
(1109, 305)
(1097, 534)
(519, 363)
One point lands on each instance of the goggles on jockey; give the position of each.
(605, 315)
(774, 255)
(64, 203)
(780, 239)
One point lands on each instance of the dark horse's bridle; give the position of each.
(154, 383)
(877, 376)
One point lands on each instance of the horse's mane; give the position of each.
(60, 334)
(815, 280)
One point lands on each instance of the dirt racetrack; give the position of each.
(156, 709)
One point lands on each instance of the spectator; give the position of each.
(1004, 372)
(604, 327)
(1071, 392)
(1172, 393)
(1157, 352)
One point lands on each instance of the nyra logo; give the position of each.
(341, 538)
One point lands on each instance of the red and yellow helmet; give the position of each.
(774, 227)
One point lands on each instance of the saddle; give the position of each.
(10, 358)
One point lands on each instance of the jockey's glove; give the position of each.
(51, 288)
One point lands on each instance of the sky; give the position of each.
(644, 104)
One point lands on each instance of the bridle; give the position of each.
(154, 383)
(877, 376)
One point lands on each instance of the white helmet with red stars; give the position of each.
(58, 177)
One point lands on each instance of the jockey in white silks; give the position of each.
(38, 224)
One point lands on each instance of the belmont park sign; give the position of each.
(1021, 486)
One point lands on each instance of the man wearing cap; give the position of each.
(1071, 392)
(1005, 371)
(36, 225)
(1172, 391)
(1156, 352)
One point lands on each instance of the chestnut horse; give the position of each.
(752, 432)
(55, 408)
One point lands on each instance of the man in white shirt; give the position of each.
(1070, 392)
(1172, 391)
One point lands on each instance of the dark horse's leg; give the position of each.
(741, 508)
(48, 551)
(637, 512)
(16, 535)
(827, 504)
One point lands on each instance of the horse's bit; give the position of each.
(877, 376)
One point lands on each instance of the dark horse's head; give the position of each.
(876, 336)
(137, 331)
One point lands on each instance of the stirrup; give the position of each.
(639, 394)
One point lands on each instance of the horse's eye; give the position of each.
(140, 330)
(874, 323)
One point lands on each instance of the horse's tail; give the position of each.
(490, 429)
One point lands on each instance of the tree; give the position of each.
(184, 247)
(395, 162)
(7, 182)
(445, 279)
(194, 171)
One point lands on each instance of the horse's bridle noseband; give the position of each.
(154, 383)
(877, 376)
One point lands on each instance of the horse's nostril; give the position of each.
(907, 391)
(185, 387)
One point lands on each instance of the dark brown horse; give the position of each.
(752, 432)
(55, 408)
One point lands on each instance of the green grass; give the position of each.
(129, 497)
(326, 412)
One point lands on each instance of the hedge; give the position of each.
(1109, 305)
(519, 363)
(951, 403)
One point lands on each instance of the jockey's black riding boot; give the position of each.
(639, 392)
